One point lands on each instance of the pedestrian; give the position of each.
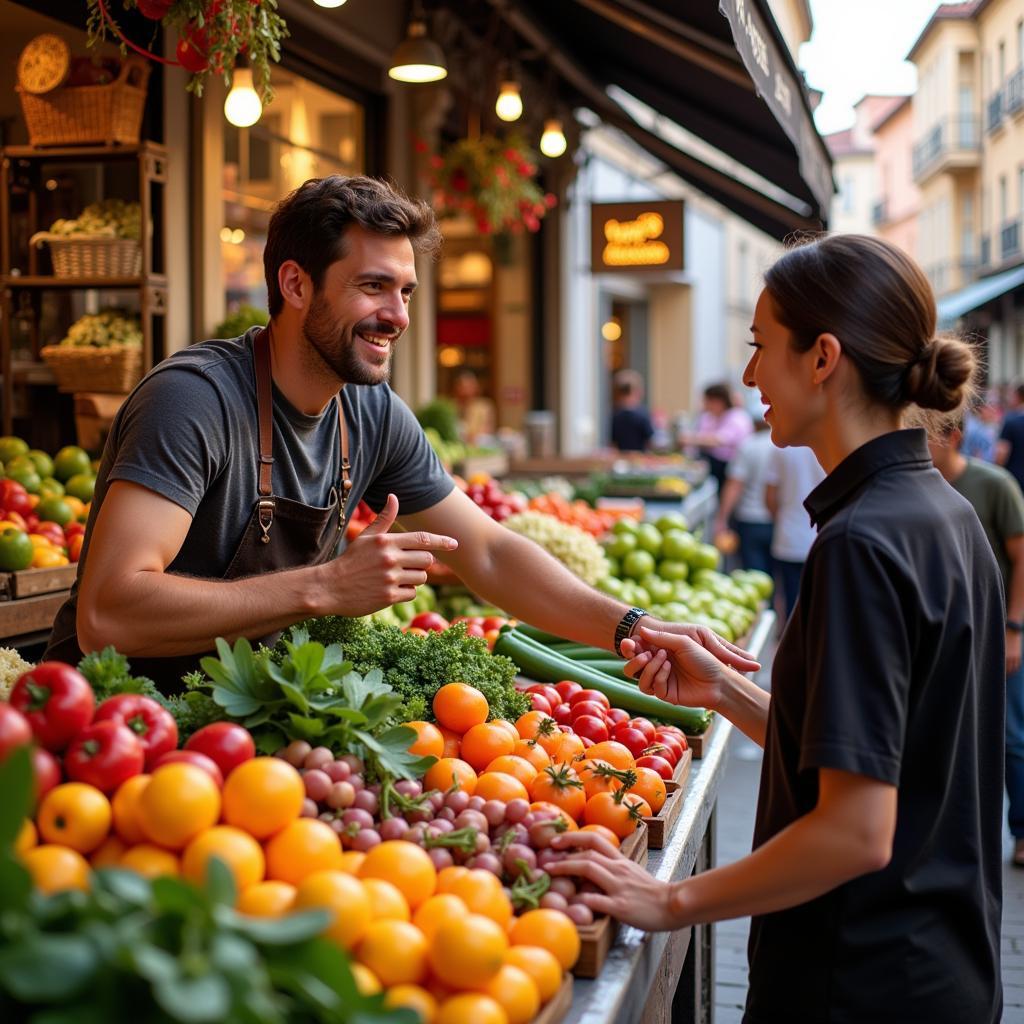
(476, 412)
(1010, 446)
(632, 428)
(229, 473)
(742, 503)
(997, 499)
(790, 477)
(980, 432)
(874, 884)
(721, 426)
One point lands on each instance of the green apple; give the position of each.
(641, 597)
(612, 586)
(648, 538)
(625, 525)
(11, 448)
(671, 521)
(43, 462)
(621, 545)
(614, 566)
(671, 569)
(761, 581)
(678, 545)
(660, 590)
(638, 564)
(706, 556)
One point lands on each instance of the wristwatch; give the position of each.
(626, 626)
(1014, 627)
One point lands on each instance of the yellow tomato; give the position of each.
(262, 795)
(150, 861)
(406, 865)
(56, 868)
(180, 801)
(266, 899)
(395, 951)
(300, 848)
(344, 897)
(75, 815)
(237, 849)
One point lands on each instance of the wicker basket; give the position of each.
(91, 255)
(116, 368)
(85, 114)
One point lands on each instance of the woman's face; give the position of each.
(784, 378)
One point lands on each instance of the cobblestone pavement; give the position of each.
(735, 825)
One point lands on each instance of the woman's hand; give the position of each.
(628, 894)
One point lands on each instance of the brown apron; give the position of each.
(281, 533)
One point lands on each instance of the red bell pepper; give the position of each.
(57, 701)
(152, 724)
(104, 755)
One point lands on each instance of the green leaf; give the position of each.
(43, 968)
(16, 786)
(279, 931)
(175, 896)
(127, 886)
(206, 998)
(295, 695)
(15, 883)
(232, 954)
(307, 660)
(236, 705)
(304, 728)
(220, 883)
(75, 1014)
(156, 965)
(299, 635)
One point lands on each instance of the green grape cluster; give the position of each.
(103, 329)
(109, 218)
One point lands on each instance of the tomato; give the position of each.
(650, 787)
(538, 702)
(412, 997)
(192, 757)
(551, 930)
(125, 806)
(104, 755)
(224, 743)
(470, 1008)
(467, 951)
(75, 815)
(616, 715)
(75, 545)
(395, 951)
(657, 764)
(673, 730)
(494, 785)
(594, 695)
(533, 752)
(340, 893)
(386, 900)
(561, 786)
(511, 764)
(474, 629)
(515, 992)
(548, 692)
(55, 868)
(460, 707)
(587, 707)
(539, 964)
(16, 550)
(562, 714)
(74, 530)
(237, 849)
(564, 748)
(153, 725)
(590, 727)
(566, 688)
(614, 753)
(406, 865)
(535, 725)
(274, 899)
(449, 772)
(632, 739)
(13, 517)
(56, 700)
(15, 730)
(663, 735)
(45, 771)
(53, 532)
(599, 777)
(430, 621)
(646, 727)
(428, 743)
(668, 748)
(607, 810)
(14, 497)
(262, 796)
(493, 622)
(484, 742)
(180, 801)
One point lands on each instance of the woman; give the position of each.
(721, 427)
(874, 883)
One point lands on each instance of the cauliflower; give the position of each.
(574, 548)
(12, 665)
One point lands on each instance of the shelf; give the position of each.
(83, 152)
(30, 372)
(106, 283)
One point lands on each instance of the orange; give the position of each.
(452, 742)
(551, 930)
(511, 764)
(56, 868)
(440, 908)
(266, 899)
(429, 742)
(386, 900)
(345, 897)
(534, 753)
(108, 854)
(459, 707)
(414, 998)
(482, 893)
(617, 755)
(27, 836)
(446, 877)
(515, 992)
(470, 1008)
(467, 952)
(650, 786)
(449, 772)
(406, 865)
(366, 981)
(300, 848)
(499, 786)
(150, 861)
(483, 743)
(262, 795)
(541, 965)
(237, 849)
(180, 801)
(125, 805)
(395, 951)
(351, 861)
(74, 815)
(602, 831)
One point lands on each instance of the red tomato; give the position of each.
(549, 693)
(646, 727)
(672, 744)
(616, 715)
(75, 547)
(225, 743)
(594, 695)
(567, 688)
(588, 707)
(632, 739)
(659, 764)
(18, 520)
(590, 727)
(562, 714)
(430, 621)
(193, 757)
(53, 532)
(538, 702)
(679, 738)
(14, 497)
(673, 730)
(152, 724)
(475, 629)
(46, 771)
(493, 622)
(56, 700)
(15, 730)
(104, 755)
(74, 529)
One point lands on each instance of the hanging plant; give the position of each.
(212, 35)
(490, 179)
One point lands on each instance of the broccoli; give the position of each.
(192, 710)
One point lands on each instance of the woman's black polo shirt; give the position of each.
(891, 666)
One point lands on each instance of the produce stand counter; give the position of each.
(639, 979)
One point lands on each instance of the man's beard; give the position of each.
(338, 348)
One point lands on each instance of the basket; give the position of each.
(83, 114)
(116, 368)
(91, 255)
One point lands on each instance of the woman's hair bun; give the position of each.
(942, 376)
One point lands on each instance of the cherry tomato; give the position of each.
(46, 771)
(430, 621)
(549, 693)
(646, 727)
(567, 688)
(538, 702)
(590, 727)
(594, 695)
(587, 707)
(562, 714)
(616, 715)
(193, 757)
(225, 743)
(152, 724)
(632, 739)
(104, 755)
(56, 700)
(15, 730)
(658, 764)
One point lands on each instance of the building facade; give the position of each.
(898, 201)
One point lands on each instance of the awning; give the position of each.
(976, 294)
(720, 71)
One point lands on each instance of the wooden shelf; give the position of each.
(107, 283)
(83, 152)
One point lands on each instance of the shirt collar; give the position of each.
(899, 448)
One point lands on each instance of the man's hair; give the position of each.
(1018, 390)
(309, 225)
(627, 383)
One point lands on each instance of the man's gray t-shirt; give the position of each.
(189, 432)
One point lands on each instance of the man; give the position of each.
(228, 473)
(1000, 506)
(632, 429)
(1010, 446)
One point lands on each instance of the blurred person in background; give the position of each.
(981, 430)
(1010, 446)
(997, 499)
(632, 427)
(742, 506)
(476, 411)
(721, 426)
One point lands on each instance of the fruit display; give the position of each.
(109, 218)
(488, 495)
(576, 549)
(103, 329)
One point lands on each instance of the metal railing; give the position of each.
(1009, 239)
(952, 135)
(880, 212)
(1015, 91)
(995, 112)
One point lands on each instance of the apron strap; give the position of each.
(265, 416)
(346, 481)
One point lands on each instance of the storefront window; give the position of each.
(307, 132)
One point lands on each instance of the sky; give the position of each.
(858, 47)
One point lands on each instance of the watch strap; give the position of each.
(626, 626)
(1015, 626)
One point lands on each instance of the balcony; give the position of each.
(952, 144)
(994, 117)
(880, 212)
(1009, 240)
(986, 251)
(1015, 92)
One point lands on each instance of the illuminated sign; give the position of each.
(636, 236)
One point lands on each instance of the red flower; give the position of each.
(539, 209)
(531, 222)
(436, 162)
(550, 200)
(420, 146)
(512, 155)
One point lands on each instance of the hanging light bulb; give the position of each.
(242, 106)
(552, 142)
(329, 3)
(418, 58)
(509, 104)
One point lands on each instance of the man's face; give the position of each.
(362, 307)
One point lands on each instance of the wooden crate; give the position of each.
(682, 769)
(31, 598)
(558, 1006)
(634, 846)
(595, 941)
(660, 825)
(698, 743)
